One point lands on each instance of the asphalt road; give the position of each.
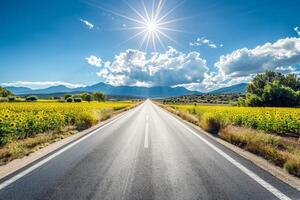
(145, 154)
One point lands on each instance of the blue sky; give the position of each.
(216, 43)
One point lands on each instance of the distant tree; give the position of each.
(273, 89)
(66, 96)
(88, 98)
(5, 93)
(99, 96)
(78, 99)
(31, 98)
(292, 81)
(69, 99)
(261, 80)
(253, 100)
(11, 98)
(276, 94)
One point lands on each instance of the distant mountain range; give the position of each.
(134, 91)
(239, 88)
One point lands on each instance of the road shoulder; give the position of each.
(17, 164)
(256, 160)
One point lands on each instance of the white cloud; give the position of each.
(297, 29)
(94, 60)
(87, 23)
(280, 55)
(40, 85)
(134, 67)
(204, 41)
(175, 68)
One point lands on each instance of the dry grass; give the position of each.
(270, 147)
(279, 150)
(20, 148)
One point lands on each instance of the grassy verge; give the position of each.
(274, 148)
(20, 148)
(70, 122)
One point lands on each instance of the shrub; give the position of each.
(31, 98)
(210, 122)
(11, 98)
(69, 99)
(99, 96)
(86, 119)
(293, 165)
(77, 99)
(66, 96)
(253, 100)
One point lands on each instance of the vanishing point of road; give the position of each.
(146, 153)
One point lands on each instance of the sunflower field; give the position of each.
(21, 120)
(275, 120)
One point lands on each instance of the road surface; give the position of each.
(145, 154)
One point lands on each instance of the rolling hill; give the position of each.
(135, 91)
(239, 88)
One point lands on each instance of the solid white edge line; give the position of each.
(45, 160)
(146, 143)
(248, 172)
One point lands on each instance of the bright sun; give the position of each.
(150, 21)
(151, 27)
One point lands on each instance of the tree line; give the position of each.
(97, 96)
(6, 95)
(273, 89)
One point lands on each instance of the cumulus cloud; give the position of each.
(94, 60)
(87, 23)
(204, 41)
(134, 67)
(175, 68)
(40, 85)
(297, 29)
(280, 56)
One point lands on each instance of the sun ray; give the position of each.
(172, 21)
(134, 36)
(151, 23)
(117, 14)
(173, 30)
(170, 11)
(171, 39)
(145, 10)
(143, 40)
(153, 41)
(160, 41)
(148, 40)
(135, 10)
(158, 9)
(127, 28)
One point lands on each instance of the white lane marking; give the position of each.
(146, 143)
(147, 118)
(248, 172)
(37, 165)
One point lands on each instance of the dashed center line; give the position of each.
(146, 142)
